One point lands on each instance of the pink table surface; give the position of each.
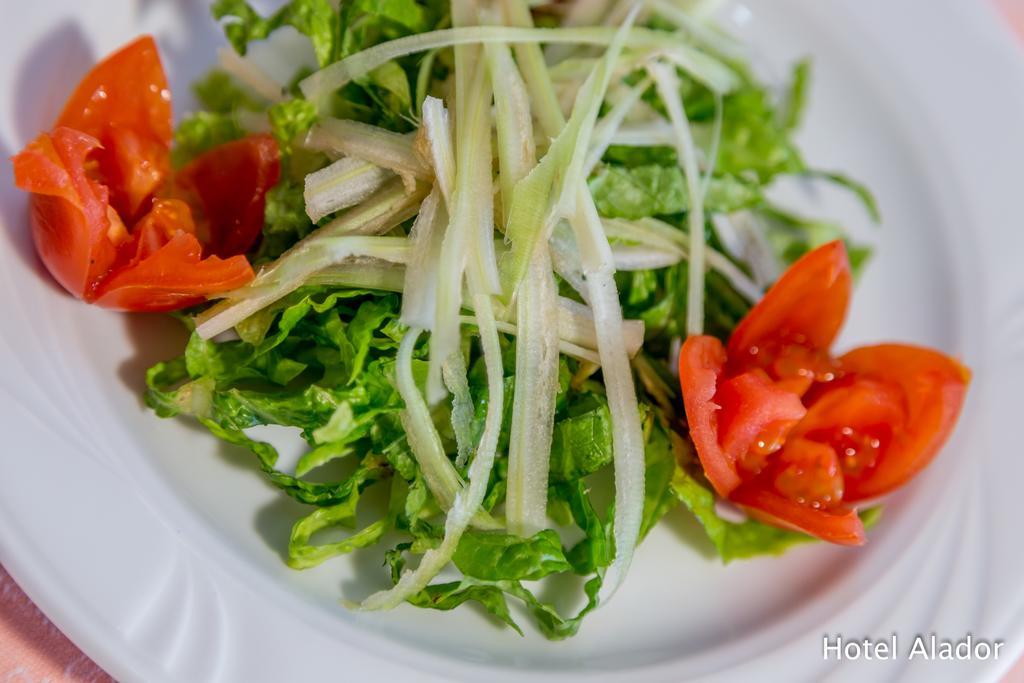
(33, 650)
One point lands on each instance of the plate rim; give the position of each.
(73, 617)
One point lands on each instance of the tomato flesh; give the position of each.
(229, 186)
(753, 419)
(166, 269)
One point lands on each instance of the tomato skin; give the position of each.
(701, 363)
(127, 89)
(125, 103)
(842, 527)
(862, 424)
(68, 210)
(229, 185)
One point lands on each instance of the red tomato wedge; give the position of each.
(795, 435)
(129, 89)
(933, 387)
(229, 185)
(701, 363)
(125, 103)
(97, 221)
(726, 418)
(789, 331)
(69, 212)
(808, 304)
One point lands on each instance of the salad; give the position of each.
(512, 273)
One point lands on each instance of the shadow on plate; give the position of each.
(44, 78)
(15, 226)
(154, 337)
(685, 527)
(187, 55)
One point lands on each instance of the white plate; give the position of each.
(157, 550)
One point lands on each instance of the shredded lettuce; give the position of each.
(315, 18)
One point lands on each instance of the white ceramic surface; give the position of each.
(157, 550)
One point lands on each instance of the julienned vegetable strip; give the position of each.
(438, 148)
(703, 34)
(606, 128)
(533, 407)
(599, 270)
(332, 244)
(468, 218)
(535, 70)
(589, 104)
(667, 84)
(336, 75)
(541, 199)
(517, 154)
(628, 443)
(419, 291)
(344, 183)
(577, 336)
(473, 176)
(469, 499)
(378, 146)
(660, 235)
(290, 273)
(438, 471)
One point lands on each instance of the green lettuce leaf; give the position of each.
(218, 93)
(792, 236)
(491, 595)
(652, 190)
(582, 440)
(315, 18)
(859, 190)
(302, 366)
(290, 120)
(302, 554)
(658, 474)
(285, 221)
(799, 88)
(755, 142)
(499, 557)
(732, 540)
